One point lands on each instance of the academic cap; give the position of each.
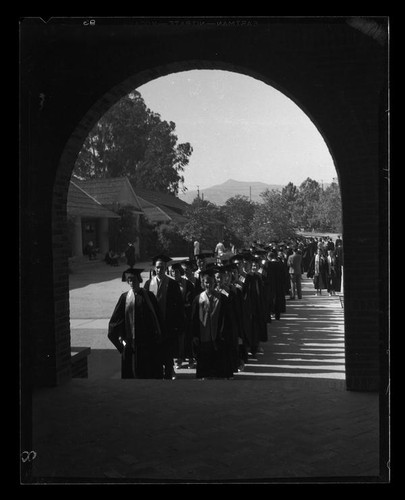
(208, 271)
(162, 257)
(218, 269)
(177, 265)
(204, 255)
(226, 256)
(231, 266)
(188, 262)
(237, 257)
(132, 271)
(228, 267)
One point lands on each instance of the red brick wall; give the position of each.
(70, 75)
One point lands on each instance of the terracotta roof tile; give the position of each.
(109, 191)
(81, 203)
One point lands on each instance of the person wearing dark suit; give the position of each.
(331, 262)
(294, 263)
(170, 301)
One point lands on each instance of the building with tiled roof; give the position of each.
(165, 208)
(80, 203)
(116, 193)
(161, 207)
(92, 205)
(88, 221)
(113, 193)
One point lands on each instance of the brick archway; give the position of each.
(335, 73)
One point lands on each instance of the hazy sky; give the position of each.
(240, 128)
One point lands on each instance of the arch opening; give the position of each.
(97, 112)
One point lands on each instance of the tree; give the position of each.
(307, 204)
(131, 140)
(271, 221)
(290, 194)
(329, 213)
(170, 240)
(163, 161)
(237, 214)
(203, 221)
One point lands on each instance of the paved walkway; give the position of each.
(286, 418)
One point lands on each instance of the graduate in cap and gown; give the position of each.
(189, 267)
(259, 319)
(275, 279)
(135, 330)
(170, 301)
(185, 350)
(211, 328)
(240, 282)
(259, 269)
(201, 262)
(223, 277)
(254, 320)
(236, 291)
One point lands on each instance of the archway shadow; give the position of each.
(307, 342)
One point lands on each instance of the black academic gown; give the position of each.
(254, 321)
(140, 352)
(243, 338)
(261, 319)
(276, 287)
(234, 304)
(339, 267)
(266, 293)
(212, 355)
(185, 337)
(171, 306)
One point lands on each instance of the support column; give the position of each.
(137, 242)
(77, 243)
(103, 236)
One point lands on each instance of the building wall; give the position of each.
(335, 72)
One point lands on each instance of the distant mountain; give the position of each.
(220, 193)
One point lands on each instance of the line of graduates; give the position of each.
(211, 313)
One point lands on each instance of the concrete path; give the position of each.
(286, 418)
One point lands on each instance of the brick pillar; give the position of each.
(361, 273)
